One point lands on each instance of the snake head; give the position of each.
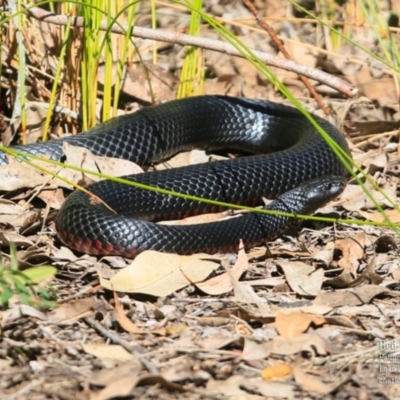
(320, 191)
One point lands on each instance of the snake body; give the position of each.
(297, 154)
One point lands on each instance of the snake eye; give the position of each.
(328, 186)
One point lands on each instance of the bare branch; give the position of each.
(205, 43)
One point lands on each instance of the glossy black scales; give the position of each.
(297, 154)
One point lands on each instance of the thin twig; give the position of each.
(205, 43)
(118, 340)
(278, 43)
(57, 109)
(18, 104)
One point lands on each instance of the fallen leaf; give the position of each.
(16, 175)
(81, 157)
(72, 311)
(355, 199)
(355, 297)
(283, 346)
(123, 386)
(108, 351)
(128, 325)
(276, 371)
(393, 215)
(160, 274)
(106, 376)
(368, 275)
(353, 249)
(239, 386)
(304, 279)
(217, 338)
(325, 256)
(343, 280)
(185, 158)
(17, 216)
(19, 310)
(54, 198)
(213, 321)
(292, 324)
(223, 283)
(6, 238)
(312, 384)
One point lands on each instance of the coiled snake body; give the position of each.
(298, 154)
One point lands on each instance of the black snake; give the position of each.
(297, 154)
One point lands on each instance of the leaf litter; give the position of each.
(304, 315)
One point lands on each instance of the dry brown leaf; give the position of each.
(267, 317)
(292, 324)
(341, 321)
(239, 386)
(343, 280)
(54, 198)
(228, 387)
(213, 321)
(368, 275)
(217, 338)
(185, 158)
(355, 297)
(73, 310)
(160, 274)
(180, 371)
(304, 279)
(107, 376)
(284, 346)
(15, 312)
(253, 350)
(276, 371)
(246, 294)
(198, 219)
(6, 238)
(310, 383)
(123, 386)
(354, 198)
(16, 175)
(326, 255)
(223, 283)
(64, 253)
(269, 389)
(393, 215)
(123, 320)
(305, 342)
(353, 248)
(83, 158)
(108, 351)
(128, 325)
(262, 253)
(269, 282)
(175, 329)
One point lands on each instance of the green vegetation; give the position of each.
(22, 286)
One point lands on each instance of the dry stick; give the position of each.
(278, 43)
(18, 104)
(123, 343)
(216, 45)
